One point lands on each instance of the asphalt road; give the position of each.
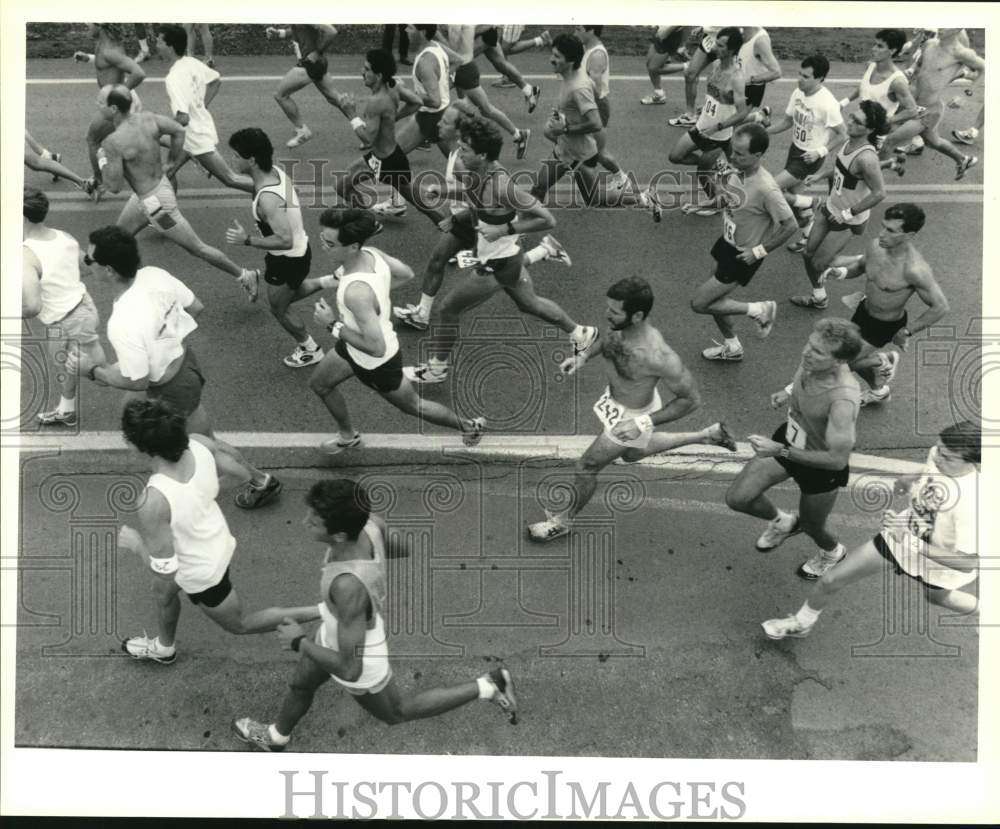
(508, 363)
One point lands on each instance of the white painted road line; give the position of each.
(513, 447)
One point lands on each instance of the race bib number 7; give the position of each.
(609, 411)
(795, 434)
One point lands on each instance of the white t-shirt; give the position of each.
(943, 517)
(813, 118)
(186, 82)
(148, 324)
(60, 285)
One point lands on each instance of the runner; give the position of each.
(812, 447)
(502, 212)
(350, 643)
(384, 162)
(53, 292)
(666, 56)
(36, 157)
(312, 44)
(756, 220)
(459, 236)
(183, 536)
(488, 42)
(366, 344)
(132, 154)
(512, 44)
(760, 67)
(431, 85)
(942, 60)
(597, 65)
(817, 130)
(895, 270)
(278, 216)
(191, 87)
(702, 57)
(152, 315)
(857, 188)
(113, 67)
(207, 42)
(707, 144)
(933, 540)
(631, 408)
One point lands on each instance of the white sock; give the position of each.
(973, 131)
(807, 229)
(426, 303)
(486, 688)
(527, 90)
(143, 45)
(836, 552)
(786, 519)
(536, 254)
(158, 644)
(46, 154)
(67, 404)
(302, 129)
(819, 293)
(733, 343)
(755, 309)
(807, 616)
(276, 735)
(538, 41)
(309, 344)
(801, 201)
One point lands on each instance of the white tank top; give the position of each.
(751, 64)
(443, 78)
(379, 281)
(848, 190)
(284, 191)
(202, 541)
(719, 105)
(60, 285)
(601, 86)
(879, 92)
(370, 572)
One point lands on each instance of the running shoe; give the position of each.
(410, 315)
(551, 528)
(913, 149)
(810, 301)
(654, 99)
(258, 734)
(386, 209)
(504, 697)
(789, 627)
(684, 120)
(617, 181)
(521, 142)
(250, 282)
(142, 647)
(648, 200)
(425, 374)
(968, 136)
(474, 435)
(964, 166)
(889, 364)
(873, 397)
(723, 353)
(691, 209)
(587, 339)
(504, 83)
(765, 322)
(302, 357)
(722, 436)
(532, 99)
(301, 136)
(821, 563)
(556, 252)
(335, 446)
(250, 496)
(897, 165)
(58, 418)
(778, 531)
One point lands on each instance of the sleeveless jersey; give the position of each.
(494, 214)
(443, 78)
(379, 281)
(601, 85)
(848, 189)
(284, 191)
(808, 412)
(202, 541)
(370, 572)
(60, 285)
(749, 61)
(719, 105)
(879, 92)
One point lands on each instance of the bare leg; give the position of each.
(391, 707)
(230, 616)
(330, 373)
(746, 492)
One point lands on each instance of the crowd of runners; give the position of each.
(491, 230)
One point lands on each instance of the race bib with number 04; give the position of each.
(795, 434)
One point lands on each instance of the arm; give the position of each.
(764, 53)
(871, 172)
(409, 101)
(194, 308)
(211, 90)
(592, 118)
(681, 385)
(31, 288)
(360, 299)
(742, 107)
(839, 439)
(838, 139)
(781, 125)
(927, 288)
(363, 128)
(274, 213)
(134, 73)
(231, 472)
(168, 126)
(425, 74)
(532, 215)
(907, 105)
(111, 375)
(325, 34)
(400, 272)
(967, 57)
(854, 265)
(153, 520)
(350, 598)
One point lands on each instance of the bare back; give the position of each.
(890, 280)
(635, 365)
(382, 106)
(137, 140)
(939, 66)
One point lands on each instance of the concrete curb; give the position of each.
(103, 452)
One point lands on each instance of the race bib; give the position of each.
(466, 259)
(375, 165)
(795, 434)
(708, 43)
(608, 410)
(838, 181)
(800, 135)
(710, 107)
(728, 228)
(151, 205)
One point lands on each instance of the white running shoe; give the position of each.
(501, 679)
(654, 99)
(302, 357)
(475, 434)
(874, 397)
(890, 363)
(142, 647)
(335, 446)
(551, 528)
(410, 315)
(787, 627)
(722, 352)
(556, 252)
(386, 209)
(765, 322)
(968, 136)
(778, 531)
(425, 373)
(822, 563)
(250, 282)
(258, 734)
(648, 200)
(300, 137)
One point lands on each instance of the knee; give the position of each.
(588, 466)
(698, 305)
(278, 309)
(318, 385)
(280, 96)
(690, 74)
(737, 500)
(394, 716)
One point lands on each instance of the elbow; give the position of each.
(31, 309)
(943, 307)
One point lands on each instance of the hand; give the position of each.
(765, 447)
(445, 224)
(492, 232)
(288, 631)
(846, 215)
(434, 189)
(78, 361)
(82, 57)
(809, 156)
(809, 179)
(236, 235)
(901, 339)
(626, 430)
(747, 257)
(323, 313)
(572, 364)
(779, 399)
(271, 32)
(837, 273)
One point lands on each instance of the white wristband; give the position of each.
(164, 566)
(645, 423)
(538, 41)
(844, 102)
(358, 122)
(822, 151)
(846, 215)
(335, 330)
(788, 388)
(759, 251)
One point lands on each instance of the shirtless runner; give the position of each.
(631, 408)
